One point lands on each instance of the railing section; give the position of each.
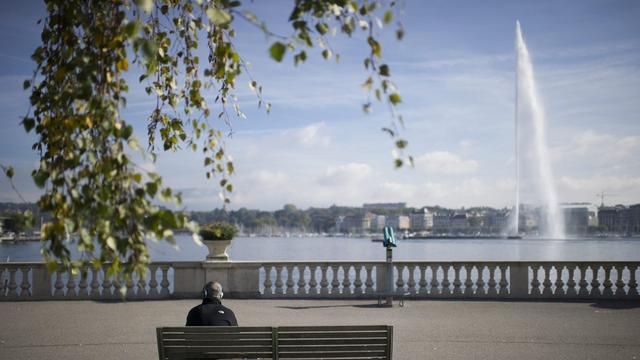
(336, 279)
(24, 281)
(524, 280)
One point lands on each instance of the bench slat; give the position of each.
(216, 342)
(372, 341)
(220, 356)
(326, 348)
(215, 329)
(172, 350)
(336, 328)
(213, 336)
(331, 355)
(322, 335)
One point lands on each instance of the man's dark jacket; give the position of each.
(211, 313)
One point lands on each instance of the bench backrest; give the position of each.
(284, 342)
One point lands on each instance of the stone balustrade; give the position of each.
(334, 279)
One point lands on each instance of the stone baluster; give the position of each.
(83, 285)
(492, 281)
(559, 290)
(267, 280)
(164, 284)
(445, 280)
(619, 282)
(2, 281)
(457, 290)
(357, 284)
(504, 284)
(480, 291)
(595, 283)
(71, 285)
(400, 280)
(433, 291)
(142, 287)
(106, 284)
(633, 284)
(411, 283)
(94, 293)
(12, 283)
(368, 283)
(468, 283)
(346, 282)
(129, 283)
(153, 281)
(279, 283)
(324, 283)
(423, 280)
(571, 283)
(335, 283)
(290, 283)
(535, 283)
(607, 281)
(546, 283)
(583, 284)
(25, 286)
(117, 292)
(302, 283)
(59, 285)
(313, 282)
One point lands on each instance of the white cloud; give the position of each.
(599, 146)
(311, 135)
(343, 175)
(444, 162)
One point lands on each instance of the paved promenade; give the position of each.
(422, 329)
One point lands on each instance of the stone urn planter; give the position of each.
(218, 237)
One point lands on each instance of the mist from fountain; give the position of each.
(530, 112)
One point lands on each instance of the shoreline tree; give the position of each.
(100, 200)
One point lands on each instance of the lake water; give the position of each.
(351, 248)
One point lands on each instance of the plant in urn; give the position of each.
(217, 236)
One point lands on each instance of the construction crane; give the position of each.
(602, 195)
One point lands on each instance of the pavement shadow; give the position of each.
(361, 306)
(616, 305)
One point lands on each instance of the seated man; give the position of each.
(211, 312)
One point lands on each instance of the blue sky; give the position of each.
(455, 71)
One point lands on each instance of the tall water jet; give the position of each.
(529, 110)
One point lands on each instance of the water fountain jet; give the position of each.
(529, 110)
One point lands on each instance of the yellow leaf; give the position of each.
(123, 64)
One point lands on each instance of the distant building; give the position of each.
(578, 217)
(613, 218)
(354, 224)
(422, 221)
(633, 217)
(441, 222)
(378, 222)
(459, 222)
(374, 206)
(497, 221)
(398, 222)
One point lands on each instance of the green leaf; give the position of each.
(395, 98)
(111, 243)
(277, 51)
(388, 16)
(28, 124)
(26, 84)
(384, 70)
(9, 172)
(146, 5)
(218, 17)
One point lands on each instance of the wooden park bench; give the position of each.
(284, 342)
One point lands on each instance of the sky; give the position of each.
(455, 71)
